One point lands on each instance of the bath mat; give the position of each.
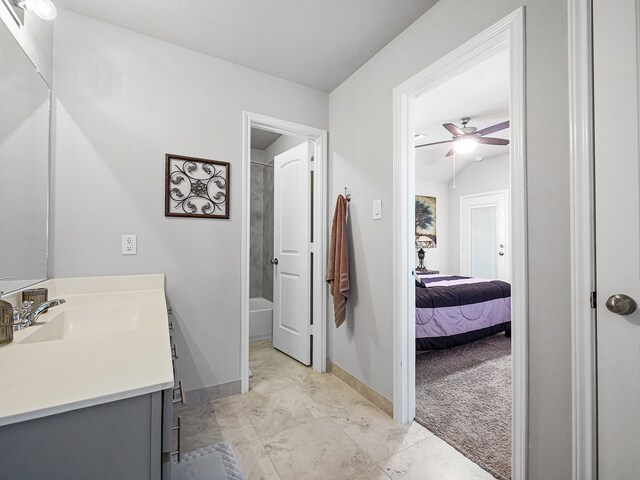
(215, 462)
(463, 395)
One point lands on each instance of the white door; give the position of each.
(617, 241)
(483, 236)
(292, 228)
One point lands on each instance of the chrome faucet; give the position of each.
(24, 316)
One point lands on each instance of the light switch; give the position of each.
(377, 209)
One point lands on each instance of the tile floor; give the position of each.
(297, 424)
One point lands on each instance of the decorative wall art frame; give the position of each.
(196, 187)
(426, 235)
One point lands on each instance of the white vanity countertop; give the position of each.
(109, 341)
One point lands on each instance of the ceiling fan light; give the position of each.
(465, 145)
(42, 8)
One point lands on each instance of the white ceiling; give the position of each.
(262, 139)
(482, 93)
(314, 43)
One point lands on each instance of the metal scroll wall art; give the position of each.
(196, 187)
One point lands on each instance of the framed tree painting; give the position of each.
(426, 235)
(196, 187)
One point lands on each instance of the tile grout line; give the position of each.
(384, 471)
(377, 463)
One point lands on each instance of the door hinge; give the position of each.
(311, 332)
(312, 247)
(593, 299)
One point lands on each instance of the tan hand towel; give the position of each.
(338, 267)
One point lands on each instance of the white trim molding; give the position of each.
(583, 329)
(508, 33)
(319, 294)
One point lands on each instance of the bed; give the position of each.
(454, 310)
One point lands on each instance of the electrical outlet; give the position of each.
(129, 245)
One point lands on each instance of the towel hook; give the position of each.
(347, 195)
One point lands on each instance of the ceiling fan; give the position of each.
(465, 139)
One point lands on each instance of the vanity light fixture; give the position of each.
(42, 8)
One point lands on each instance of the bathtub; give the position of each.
(260, 318)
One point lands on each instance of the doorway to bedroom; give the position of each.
(460, 183)
(463, 304)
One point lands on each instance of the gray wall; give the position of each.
(123, 100)
(361, 149)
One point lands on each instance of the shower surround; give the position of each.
(261, 275)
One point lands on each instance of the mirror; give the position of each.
(24, 167)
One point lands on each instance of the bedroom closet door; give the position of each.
(291, 247)
(617, 183)
(483, 236)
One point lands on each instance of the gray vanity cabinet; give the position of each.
(126, 440)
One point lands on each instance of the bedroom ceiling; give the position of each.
(482, 93)
(318, 44)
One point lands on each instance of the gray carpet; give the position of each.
(463, 395)
(215, 462)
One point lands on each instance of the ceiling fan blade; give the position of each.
(434, 143)
(492, 141)
(493, 128)
(453, 129)
(450, 152)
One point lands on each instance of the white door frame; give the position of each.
(507, 226)
(583, 321)
(319, 293)
(507, 33)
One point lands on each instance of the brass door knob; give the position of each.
(274, 261)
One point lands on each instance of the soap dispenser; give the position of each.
(6, 322)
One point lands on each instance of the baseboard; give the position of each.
(208, 394)
(380, 401)
(259, 338)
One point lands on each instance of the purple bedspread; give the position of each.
(453, 306)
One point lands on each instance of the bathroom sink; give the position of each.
(84, 322)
